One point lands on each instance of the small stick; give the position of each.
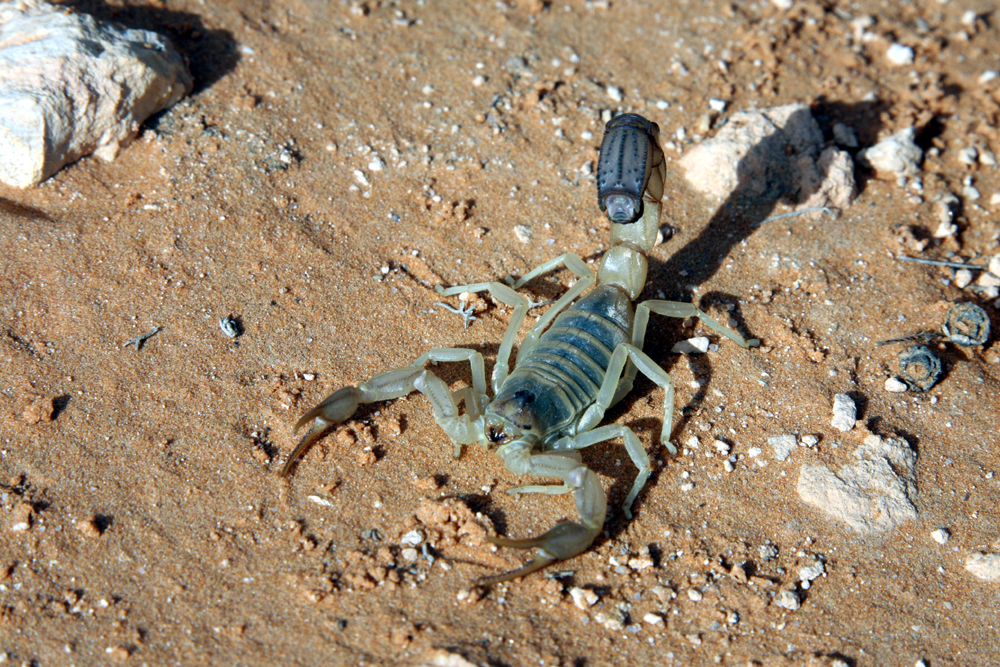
(811, 209)
(139, 340)
(938, 262)
(467, 315)
(921, 336)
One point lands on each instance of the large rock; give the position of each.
(70, 86)
(769, 154)
(874, 494)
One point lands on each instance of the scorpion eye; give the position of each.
(497, 435)
(621, 208)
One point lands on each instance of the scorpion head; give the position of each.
(510, 417)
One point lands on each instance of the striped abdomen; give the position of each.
(549, 389)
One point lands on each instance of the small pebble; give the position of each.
(899, 55)
(523, 233)
(696, 345)
(812, 571)
(717, 105)
(941, 535)
(895, 385)
(88, 528)
(994, 266)
(845, 136)
(478, 80)
(783, 445)
(583, 597)
(695, 595)
(653, 619)
(845, 413)
(412, 538)
(968, 155)
(615, 93)
(788, 600)
(963, 278)
(984, 566)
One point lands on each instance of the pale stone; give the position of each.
(71, 86)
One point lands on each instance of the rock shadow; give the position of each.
(210, 54)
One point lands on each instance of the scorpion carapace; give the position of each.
(578, 360)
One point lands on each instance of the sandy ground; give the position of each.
(335, 163)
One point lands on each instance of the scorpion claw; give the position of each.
(562, 541)
(335, 408)
(526, 569)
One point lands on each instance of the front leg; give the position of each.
(339, 406)
(506, 295)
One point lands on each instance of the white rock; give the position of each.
(441, 658)
(412, 538)
(994, 266)
(523, 233)
(696, 345)
(695, 595)
(70, 86)
(897, 154)
(945, 229)
(787, 599)
(652, 618)
(361, 179)
(717, 105)
(749, 153)
(968, 155)
(583, 597)
(941, 535)
(987, 279)
(784, 5)
(783, 445)
(963, 278)
(615, 93)
(874, 494)
(898, 54)
(811, 571)
(895, 385)
(845, 413)
(984, 566)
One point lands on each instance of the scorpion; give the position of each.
(580, 359)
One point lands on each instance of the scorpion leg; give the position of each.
(508, 296)
(339, 406)
(566, 539)
(633, 446)
(682, 310)
(585, 280)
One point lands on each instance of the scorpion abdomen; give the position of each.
(565, 369)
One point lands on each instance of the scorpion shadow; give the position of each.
(766, 178)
